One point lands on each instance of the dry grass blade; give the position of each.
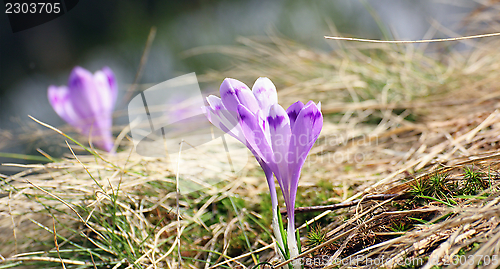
(56, 244)
(412, 41)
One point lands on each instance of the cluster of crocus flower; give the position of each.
(87, 104)
(280, 140)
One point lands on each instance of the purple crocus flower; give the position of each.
(222, 112)
(280, 140)
(87, 103)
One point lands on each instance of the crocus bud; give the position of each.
(87, 103)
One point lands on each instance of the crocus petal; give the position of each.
(225, 120)
(105, 88)
(215, 103)
(234, 92)
(102, 136)
(253, 129)
(83, 94)
(293, 111)
(265, 92)
(215, 119)
(317, 118)
(305, 131)
(280, 132)
(59, 99)
(113, 85)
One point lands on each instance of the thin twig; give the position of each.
(411, 41)
(374, 197)
(55, 242)
(52, 259)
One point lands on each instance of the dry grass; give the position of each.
(397, 120)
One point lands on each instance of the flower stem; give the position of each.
(292, 241)
(274, 203)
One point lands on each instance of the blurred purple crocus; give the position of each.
(280, 140)
(87, 103)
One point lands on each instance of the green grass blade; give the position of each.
(25, 157)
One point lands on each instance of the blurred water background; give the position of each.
(113, 33)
